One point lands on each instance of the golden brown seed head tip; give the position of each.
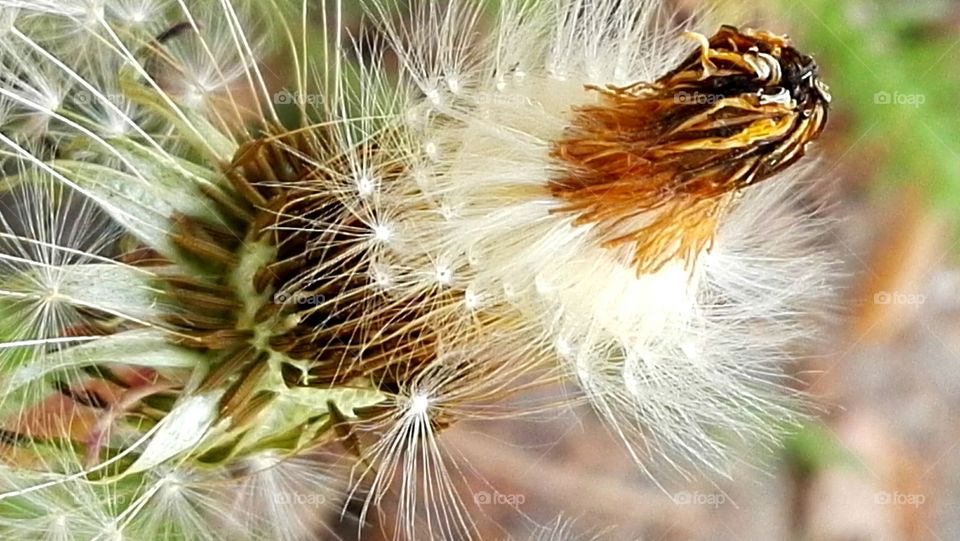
(654, 165)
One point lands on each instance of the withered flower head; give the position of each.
(655, 164)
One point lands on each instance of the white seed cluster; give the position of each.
(118, 116)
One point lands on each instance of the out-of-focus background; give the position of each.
(881, 459)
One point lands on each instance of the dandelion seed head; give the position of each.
(419, 404)
(116, 126)
(564, 348)
(366, 185)
(137, 12)
(421, 177)
(448, 211)
(472, 299)
(112, 533)
(383, 233)
(453, 83)
(382, 277)
(432, 150)
(444, 274)
(433, 96)
(193, 95)
(210, 300)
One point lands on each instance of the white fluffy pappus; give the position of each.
(199, 293)
(669, 357)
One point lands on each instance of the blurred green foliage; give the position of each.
(893, 70)
(814, 448)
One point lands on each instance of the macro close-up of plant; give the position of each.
(318, 269)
